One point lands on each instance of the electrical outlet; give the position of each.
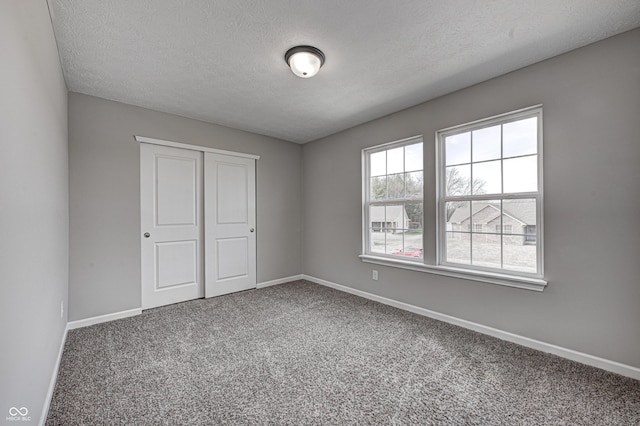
(62, 309)
(374, 275)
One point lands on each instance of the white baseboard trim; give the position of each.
(54, 377)
(70, 326)
(103, 318)
(279, 281)
(594, 361)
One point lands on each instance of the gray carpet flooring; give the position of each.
(300, 353)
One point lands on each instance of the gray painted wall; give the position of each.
(104, 190)
(34, 215)
(591, 99)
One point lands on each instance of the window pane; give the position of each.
(486, 143)
(458, 248)
(414, 185)
(484, 215)
(457, 215)
(457, 180)
(486, 250)
(521, 174)
(520, 137)
(458, 149)
(378, 163)
(378, 188)
(413, 157)
(412, 244)
(395, 241)
(518, 254)
(415, 215)
(377, 239)
(396, 217)
(487, 178)
(377, 218)
(395, 160)
(520, 214)
(395, 186)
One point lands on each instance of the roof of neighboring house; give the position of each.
(521, 210)
(394, 214)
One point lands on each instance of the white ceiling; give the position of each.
(222, 61)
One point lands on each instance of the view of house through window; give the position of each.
(490, 195)
(393, 198)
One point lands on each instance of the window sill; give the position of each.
(526, 283)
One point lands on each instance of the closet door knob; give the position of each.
(147, 235)
(251, 230)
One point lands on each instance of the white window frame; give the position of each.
(366, 181)
(442, 198)
(429, 262)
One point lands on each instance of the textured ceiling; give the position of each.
(222, 61)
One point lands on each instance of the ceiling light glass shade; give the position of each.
(304, 64)
(305, 61)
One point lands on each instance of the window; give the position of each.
(490, 177)
(530, 234)
(393, 200)
(506, 229)
(488, 202)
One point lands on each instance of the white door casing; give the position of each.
(230, 221)
(171, 224)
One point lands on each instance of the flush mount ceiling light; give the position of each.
(304, 61)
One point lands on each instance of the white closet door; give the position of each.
(230, 220)
(171, 225)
